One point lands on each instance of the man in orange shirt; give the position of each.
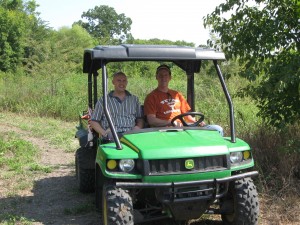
(163, 104)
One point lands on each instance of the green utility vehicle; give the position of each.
(162, 173)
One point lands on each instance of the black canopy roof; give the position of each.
(188, 58)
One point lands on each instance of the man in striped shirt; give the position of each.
(124, 109)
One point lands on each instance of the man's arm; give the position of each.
(155, 122)
(139, 124)
(97, 127)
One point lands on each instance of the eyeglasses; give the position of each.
(169, 97)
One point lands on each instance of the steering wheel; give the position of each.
(181, 116)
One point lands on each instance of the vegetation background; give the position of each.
(41, 76)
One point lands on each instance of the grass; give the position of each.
(276, 154)
(56, 131)
(11, 219)
(16, 153)
(19, 157)
(277, 159)
(18, 163)
(64, 99)
(38, 167)
(44, 113)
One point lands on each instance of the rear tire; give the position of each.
(241, 203)
(117, 206)
(85, 177)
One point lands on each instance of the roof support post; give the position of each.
(90, 90)
(105, 107)
(191, 90)
(95, 88)
(229, 101)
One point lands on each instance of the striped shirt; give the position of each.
(123, 113)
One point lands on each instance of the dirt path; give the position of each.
(54, 198)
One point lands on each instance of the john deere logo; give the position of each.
(189, 164)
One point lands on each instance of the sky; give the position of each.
(163, 19)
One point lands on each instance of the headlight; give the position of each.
(236, 157)
(126, 165)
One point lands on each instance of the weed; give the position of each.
(38, 167)
(11, 219)
(80, 209)
(16, 153)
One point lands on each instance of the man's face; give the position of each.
(120, 82)
(163, 77)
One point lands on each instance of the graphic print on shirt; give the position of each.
(169, 105)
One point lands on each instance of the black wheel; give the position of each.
(181, 118)
(117, 206)
(85, 177)
(178, 222)
(241, 204)
(99, 188)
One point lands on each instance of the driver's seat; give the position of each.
(146, 124)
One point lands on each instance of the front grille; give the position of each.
(175, 166)
(191, 192)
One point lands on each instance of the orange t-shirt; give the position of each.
(165, 105)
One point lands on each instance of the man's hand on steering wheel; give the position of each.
(184, 123)
(177, 123)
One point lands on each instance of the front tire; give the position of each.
(117, 206)
(99, 188)
(241, 203)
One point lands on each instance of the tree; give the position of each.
(106, 25)
(264, 36)
(37, 46)
(12, 4)
(70, 43)
(21, 32)
(12, 32)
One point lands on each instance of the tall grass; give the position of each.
(61, 98)
(64, 96)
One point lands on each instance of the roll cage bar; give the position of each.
(188, 59)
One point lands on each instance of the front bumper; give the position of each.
(190, 190)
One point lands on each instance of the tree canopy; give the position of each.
(104, 24)
(28, 45)
(264, 37)
(12, 35)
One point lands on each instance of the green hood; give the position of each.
(165, 144)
